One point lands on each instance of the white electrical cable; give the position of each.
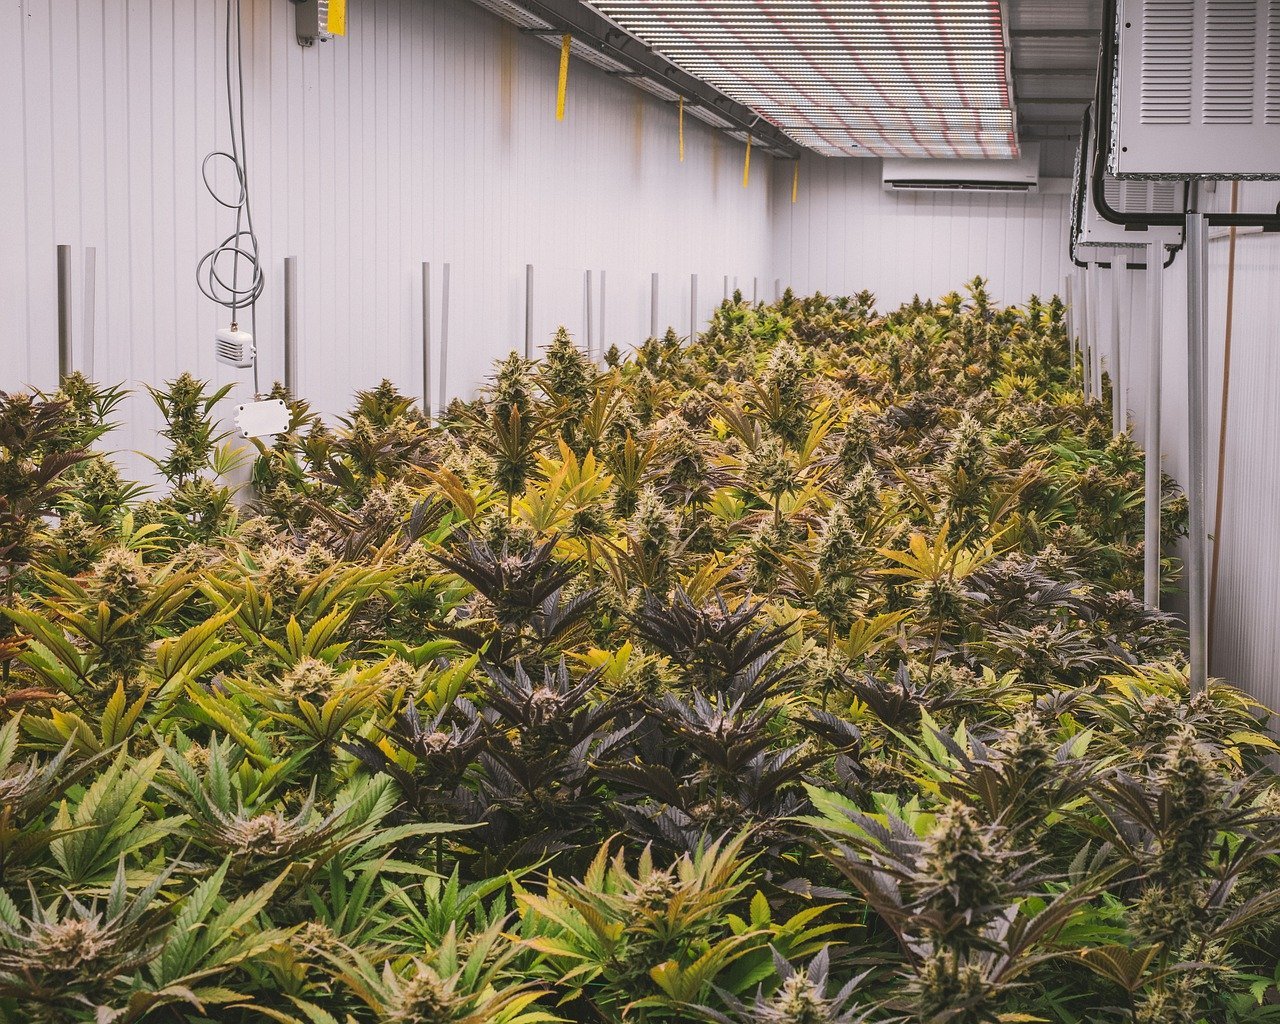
(241, 246)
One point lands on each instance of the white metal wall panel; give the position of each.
(428, 133)
(845, 233)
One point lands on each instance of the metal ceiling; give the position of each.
(913, 78)
(1054, 49)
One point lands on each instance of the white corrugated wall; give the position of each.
(845, 233)
(429, 133)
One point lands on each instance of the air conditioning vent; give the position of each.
(1197, 91)
(965, 176)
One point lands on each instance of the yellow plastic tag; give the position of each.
(565, 44)
(337, 18)
(746, 166)
(795, 183)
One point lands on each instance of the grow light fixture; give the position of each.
(892, 78)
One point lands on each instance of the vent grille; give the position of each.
(1133, 196)
(1168, 31)
(1273, 62)
(1230, 62)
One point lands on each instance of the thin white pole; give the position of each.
(693, 307)
(603, 336)
(90, 308)
(586, 300)
(653, 305)
(1154, 489)
(726, 287)
(528, 311)
(444, 340)
(1086, 353)
(64, 311)
(1067, 300)
(1119, 260)
(1197, 402)
(426, 339)
(291, 322)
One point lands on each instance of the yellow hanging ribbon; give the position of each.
(565, 44)
(682, 129)
(795, 183)
(746, 166)
(337, 22)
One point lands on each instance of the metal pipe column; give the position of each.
(291, 321)
(1197, 402)
(1154, 489)
(1118, 418)
(89, 313)
(64, 311)
(589, 313)
(1086, 361)
(528, 311)
(693, 307)
(443, 375)
(426, 339)
(653, 305)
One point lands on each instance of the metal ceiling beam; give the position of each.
(588, 27)
(1054, 33)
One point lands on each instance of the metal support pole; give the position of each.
(726, 287)
(587, 313)
(90, 309)
(755, 290)
(1155, 332)
(653, 305)
(444, 340)
(528, 311)
(1197, 401)
(1082, 323)
(64, 311)
(1067, 301)
(602, 311)
(426, 339)
(693, 307)
(777, 289)
(291, 322)
(1118, 417)
(1095, 334)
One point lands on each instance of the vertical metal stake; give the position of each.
(444, 341)
(603, 336)
(89, 314)
(693, 307)
(1155, 332)
(1067, 299)
(426, 339)
(1119, 419)
(587, 313)
(291, 322)
(1085, 301)
(726, 287)
(64, 311)
(755, 290)
(1095, 334)
(777, 289)
(528, 311)
(1197, 538)
(653, 306)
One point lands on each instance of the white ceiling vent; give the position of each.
(1020, 175)
(1197, 89)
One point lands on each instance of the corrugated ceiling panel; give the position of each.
(851, 77)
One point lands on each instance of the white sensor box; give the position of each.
(234, 347)
(262, 419)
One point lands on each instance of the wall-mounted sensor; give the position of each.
(262, 419)
(318, 21)
(234, 347)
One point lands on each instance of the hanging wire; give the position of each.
(240, 248)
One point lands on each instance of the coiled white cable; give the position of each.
(216, 281)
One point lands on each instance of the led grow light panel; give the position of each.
(893, 78)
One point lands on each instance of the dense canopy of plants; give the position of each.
(790, 674)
